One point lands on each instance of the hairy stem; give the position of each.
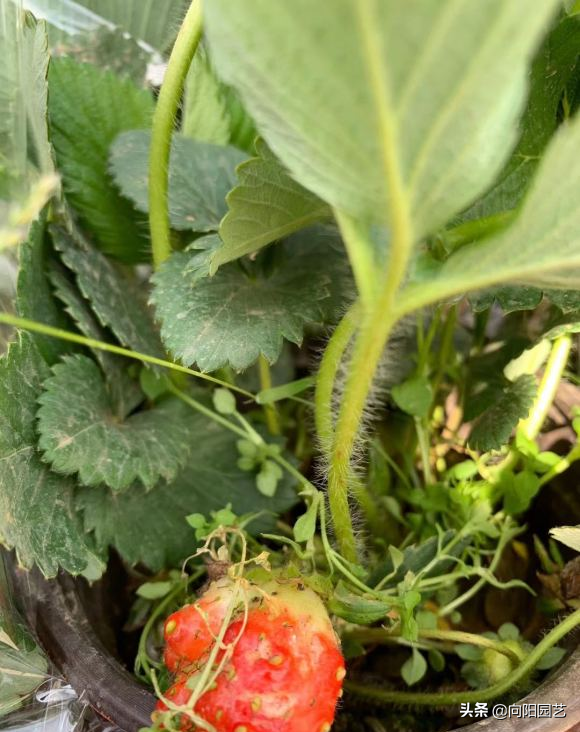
(64, 335)
(162, 130)
(479, 695)
(272, 419)
(326, 378)
(377, 323)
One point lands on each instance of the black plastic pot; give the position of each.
(65, 615)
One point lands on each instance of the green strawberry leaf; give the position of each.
(266, 205)
(200, 176)
(205, 114)
(80, 433)
(34, 297)
(151, 527)
(540, 248)
(124, 390)
(551, 70)
(212, 111)
(88, 108)
(38, 516)
(116, 300)
(338, 92)
(513, 298)
(234, 317)
(492, 429)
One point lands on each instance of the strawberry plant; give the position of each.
(294, 336)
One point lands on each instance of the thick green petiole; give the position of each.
(163, 121)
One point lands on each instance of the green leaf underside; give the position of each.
(151, 527)
(492, 429)
(34, 298)
(125, 392)
(266, 205)
(205, 116)
(37, 511)
(115, 299)
(200, 176)
(541, 247)
(550, 72)
(79, 432)
(88, 108)
(232, 318)
(341, 98)
(33, 82)
(212, 111)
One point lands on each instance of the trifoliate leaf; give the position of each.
(414, 396)
(492, 429)
(37, 512)
(338, 92)
(151, 527)
(34, 298)
(116, 299)
(88, 108)
(265, 206)
(414, 668)
(234, 317)
(200, 176)
(125, 391)
(79, 432)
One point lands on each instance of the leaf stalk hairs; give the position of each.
(163, 121)
(378, 299)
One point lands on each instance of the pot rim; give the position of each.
(57, 615)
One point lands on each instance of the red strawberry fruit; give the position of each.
(286, 671)
(190, 632)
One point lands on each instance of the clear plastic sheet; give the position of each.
(32, 696)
